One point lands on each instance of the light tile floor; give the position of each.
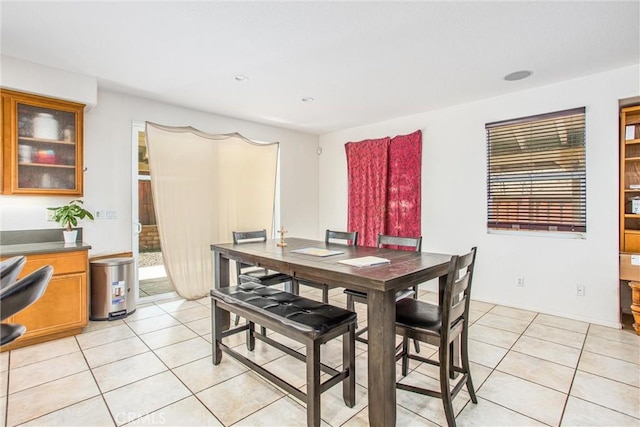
(154, 368)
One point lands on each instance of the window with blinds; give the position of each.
(536, 175)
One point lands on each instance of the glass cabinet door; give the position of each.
(44, 142)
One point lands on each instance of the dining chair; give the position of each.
(395, 242)
(251, 273)
(19, 295)
(10, 268)
(441, 326)
(349, 238)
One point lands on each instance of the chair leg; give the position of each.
(237, 320)
(351, 306)
(464, 350)
(405, 356)
(445, 390)
(251, 339)
(325, 294)
(349, 362)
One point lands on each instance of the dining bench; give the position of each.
(306, 321)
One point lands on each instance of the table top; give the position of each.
(405, 269)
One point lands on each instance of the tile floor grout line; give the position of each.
(573, 378)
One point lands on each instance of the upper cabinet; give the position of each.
(630, 179)
(42, 147)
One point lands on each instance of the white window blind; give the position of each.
(536, 175)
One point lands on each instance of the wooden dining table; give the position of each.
(380, 282)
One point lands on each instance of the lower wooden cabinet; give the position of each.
(63, 309)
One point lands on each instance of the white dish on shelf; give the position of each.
(45, 126)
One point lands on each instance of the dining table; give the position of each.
(319, 261)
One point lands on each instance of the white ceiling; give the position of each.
(362, 62)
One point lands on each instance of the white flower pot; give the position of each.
(70, 236)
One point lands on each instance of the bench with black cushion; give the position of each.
(309, 322)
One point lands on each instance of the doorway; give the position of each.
(152, 281)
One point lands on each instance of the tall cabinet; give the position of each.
(630, 211)
(41, 145)
(630, 179)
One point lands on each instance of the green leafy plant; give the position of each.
(68, 215)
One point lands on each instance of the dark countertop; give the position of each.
(41, 248)
(32, 242)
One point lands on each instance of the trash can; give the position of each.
(112, 295)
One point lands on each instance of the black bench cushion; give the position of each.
(301, 313)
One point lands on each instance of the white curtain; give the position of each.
(204, 187)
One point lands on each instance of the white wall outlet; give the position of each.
(50, 215)
(112, 214)
(520, 282)
(580, 290)
(101, 214)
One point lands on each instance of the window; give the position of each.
(536, 175)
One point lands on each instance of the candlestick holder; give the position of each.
(282, 232)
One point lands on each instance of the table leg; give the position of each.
(381, 318)
(219, 317)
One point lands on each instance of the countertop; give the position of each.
(32, 242)
(41, 248)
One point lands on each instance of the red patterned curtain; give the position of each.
(385, 187)
(404, 193)
(367, 170)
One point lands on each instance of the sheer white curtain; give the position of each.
(204, 187)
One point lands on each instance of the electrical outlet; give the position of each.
(520, 282)
(112, 214)
(101, 214)
(580, 290)
(50, 215)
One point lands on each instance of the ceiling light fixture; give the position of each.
(518, 75)
(307, 99)
(241, 78)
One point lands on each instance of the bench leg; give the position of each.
(349, 362)
(313, 384)
(216, 331)
(251, 339)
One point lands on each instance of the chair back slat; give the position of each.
(457, 292)
(249, 236)
(412, 243)
(345, 237)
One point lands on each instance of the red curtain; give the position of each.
(367, 170)
(385, 187)
(404, 193)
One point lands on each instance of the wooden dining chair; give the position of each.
(251, 273)
(331, 236)
(395, 242)
(441, 326)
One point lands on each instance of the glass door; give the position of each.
(151, 278)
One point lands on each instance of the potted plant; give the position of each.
(68, 215)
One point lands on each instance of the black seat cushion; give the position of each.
(419, 314)
(302, 313)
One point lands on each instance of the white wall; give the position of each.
(454, 197)
(108, 178)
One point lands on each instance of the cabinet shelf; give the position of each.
(629, 175)
(632, 141)
(45, 141)
(632, 216)
(47, 165)
(632, 232)
(632, 159)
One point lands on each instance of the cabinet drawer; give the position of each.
(63, 306)
(63, 262)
